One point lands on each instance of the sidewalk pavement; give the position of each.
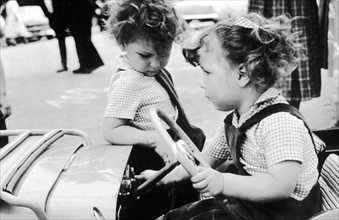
(321, 112)
(33, 85)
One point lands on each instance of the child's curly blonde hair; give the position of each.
(267, 47)
(153, 20)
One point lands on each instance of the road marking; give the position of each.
(57, 103)
(76, 96)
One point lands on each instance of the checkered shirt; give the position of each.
(277, 138)
(132, 94)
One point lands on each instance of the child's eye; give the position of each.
(145, 56)
(205, 72)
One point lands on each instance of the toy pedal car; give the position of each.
(60, 174)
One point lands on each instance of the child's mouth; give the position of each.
(151, 73)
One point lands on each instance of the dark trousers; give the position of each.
(87, 54)
(236, 209)
(60, 22)
(62, 48)
(295, 104)
(158, 199)
(81, 28)
(3, 140)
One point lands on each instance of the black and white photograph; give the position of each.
(169, 109)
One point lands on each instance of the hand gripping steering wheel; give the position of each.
(183, 151)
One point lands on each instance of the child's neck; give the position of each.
(248, 100)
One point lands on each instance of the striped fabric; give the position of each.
(329, 183)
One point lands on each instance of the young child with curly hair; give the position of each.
(145, 31)
(275, 175)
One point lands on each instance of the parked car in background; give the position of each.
(24, 23)
(36, 22)
(201, 13)
(197, 14)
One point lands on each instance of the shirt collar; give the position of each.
(123, 63)
(269, 97)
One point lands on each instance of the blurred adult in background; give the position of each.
(333, 41)
(59, 19)
(82, 12)
(101, 13)
(2, 19)
(329, 22)
(305, 82)
(15, 29)
(5, 108)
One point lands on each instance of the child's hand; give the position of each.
(208, 182)
(163, 153)
(162, 150)
(147, 174)
(5, 108)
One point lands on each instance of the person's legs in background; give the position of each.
(61, 36)
(81, 28)
(3, 140)
(295, 104)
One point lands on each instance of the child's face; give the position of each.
(143, 57)
(220, 79)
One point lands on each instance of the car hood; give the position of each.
(68, 180)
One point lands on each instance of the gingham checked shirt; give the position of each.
(277, 138)
(132, 94)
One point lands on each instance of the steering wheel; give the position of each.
(183, 151)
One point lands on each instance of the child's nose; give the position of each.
(202, 85)
(155, 63)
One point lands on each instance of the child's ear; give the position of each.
(243, 78)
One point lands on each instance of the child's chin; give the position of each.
(216, 106)
(220, 108)
(151, 74)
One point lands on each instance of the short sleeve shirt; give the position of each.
(277, 138)
(132, 94)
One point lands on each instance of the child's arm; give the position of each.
(5, 107)
(179, 173)
(277, 184)
(176, 175)
(118, 131)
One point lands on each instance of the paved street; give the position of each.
(42, 98)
